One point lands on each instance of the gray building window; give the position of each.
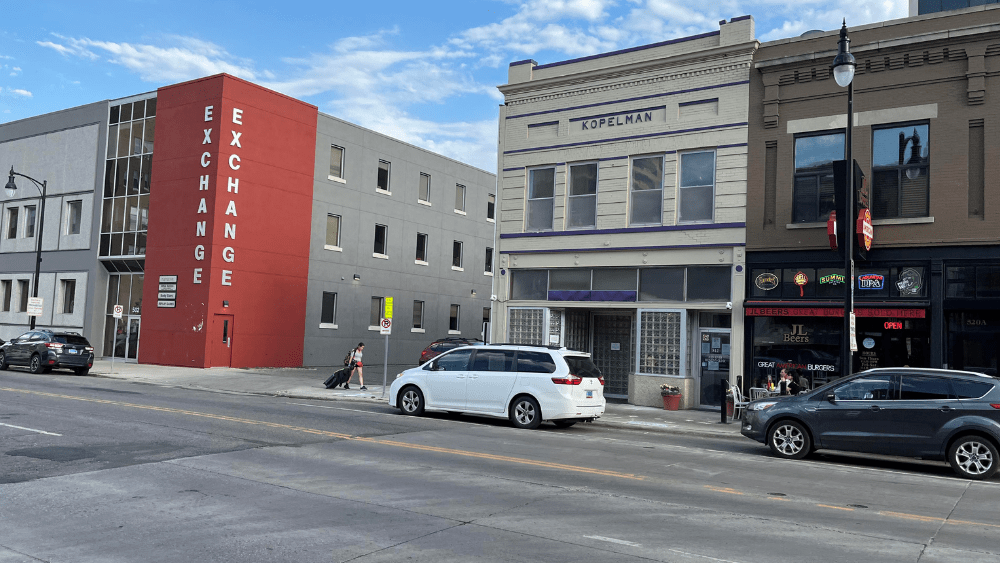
(709, 283)
(459, 197)
(456, 254)
(74, 213)
(425, 188)
(68, 296)
(529, 285)
(12, 215)
(383, 175)
(647, 190)
(541, 189)
(697, 187)
(328, 311)
(491, 205)
(489, 261)
(582, 204)
(661, 284)
(900, 171)
(381, 232)
(29, 221)
(6, 289)
(421, 248)
(376, 311)
(453, 320)
(813, 191)
(336, 162)
(418, 314)
(22, 290)
(333, 230)
(128, 168)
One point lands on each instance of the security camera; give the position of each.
(729, 305)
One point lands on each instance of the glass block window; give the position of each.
(526, 326)
(660, 342)
(127, 171)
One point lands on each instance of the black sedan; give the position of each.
(921, 413)
(45, 350)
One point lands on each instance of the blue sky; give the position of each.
(423, 72)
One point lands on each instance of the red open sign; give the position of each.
(890, 325)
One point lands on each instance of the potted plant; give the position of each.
(671, 396)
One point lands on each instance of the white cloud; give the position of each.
(20, 92)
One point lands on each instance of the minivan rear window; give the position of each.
(582, 366)
(70, 339)
(535, 362)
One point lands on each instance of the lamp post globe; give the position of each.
(11, 188)
(844, 63)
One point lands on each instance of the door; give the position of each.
(858, 419)
(714, 365)
(613, 352)
(132, 347)
(926, 404)
(17, 351)
(490, 380)
(447, 380)
(221, 347)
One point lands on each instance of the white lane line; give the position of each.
(613, 540)
(30, 429)
(701, 556)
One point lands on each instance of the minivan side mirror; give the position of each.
(832, 398)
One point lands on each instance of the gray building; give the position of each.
(389, 220)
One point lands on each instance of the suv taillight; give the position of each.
(89, 348)
(601, 379)
(995, 405)
(55, 345)
(571, 380)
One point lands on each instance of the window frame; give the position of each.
(381, 311)
(456, 317)
(67, 294)
(420, 188)
(6, 295)
(417, 259)
(323, 322)
(75, 204)
(388, 177)
(13, 221)
(24, 291)
(340, 222)
(901, 169)
(385, 242)
(459, 246)
(681, 187)
(632, 191)
(30, 220)
(461, 189)
(343, 154)
(489, 261)
(528, 199)
(491, 208)
(417, 322)
(816, 174)
(570, 197)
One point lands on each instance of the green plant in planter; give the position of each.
(667, 390)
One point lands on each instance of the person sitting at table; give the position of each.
(787, 384)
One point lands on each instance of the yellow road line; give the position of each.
(836, 507)
(465, 453)
(723, 490)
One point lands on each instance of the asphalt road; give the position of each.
(102, 470)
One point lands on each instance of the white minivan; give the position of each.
(527, 384)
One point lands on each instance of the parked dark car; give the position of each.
(442, 345)
(912, 412)
(45, 350)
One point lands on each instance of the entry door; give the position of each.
(132, 347)
(714, 365)
(222, 341)
(613, 352)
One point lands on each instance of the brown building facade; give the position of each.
(925, 124)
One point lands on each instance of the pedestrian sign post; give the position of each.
(34, 308)
(117, 314)
(385, 327)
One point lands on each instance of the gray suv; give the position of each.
(44, 350)
(921, 413)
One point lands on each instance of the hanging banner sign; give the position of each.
(864, 228)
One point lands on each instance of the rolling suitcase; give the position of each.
(339, 377)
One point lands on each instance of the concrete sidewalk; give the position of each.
(307, 383)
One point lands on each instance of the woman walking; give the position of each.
(356, 361)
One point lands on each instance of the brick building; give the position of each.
(924, 110)
(622, 209)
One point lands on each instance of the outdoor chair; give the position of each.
(758, 393)
(740, 403)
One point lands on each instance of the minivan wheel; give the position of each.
(525, 413)
(973, 457)
(35, 366)
(789, 439)
(3, 360)
(411, 401)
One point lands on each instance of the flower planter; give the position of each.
(671, 402)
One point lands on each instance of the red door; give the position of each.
(222, 341)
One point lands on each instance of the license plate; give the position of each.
(590, 394)
(73, 351)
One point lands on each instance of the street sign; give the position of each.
(166, 297)
(34, 306)
(385, 327)
(119, 309)
(854, 339)
(388, 307)
(168, 279)
(864, 229)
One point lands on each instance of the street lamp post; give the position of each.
(843, 72)
(11, 189)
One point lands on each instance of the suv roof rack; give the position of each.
(549, 346)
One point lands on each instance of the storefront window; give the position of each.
(798, 282)
(987, 281)
(961, 281)
(661, 284)
(660, 342)
(765, 282)
(711, 283)
(830, 282)
(808, 345)
(890, 342)
(529, 285)
(973, 341)
(871, 282)
(526, 326)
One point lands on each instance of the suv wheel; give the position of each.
(35, 366)
(3, 360)
(973, 457)
(789, 439)
(411, 401)
(81, 371)
(525, 413)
